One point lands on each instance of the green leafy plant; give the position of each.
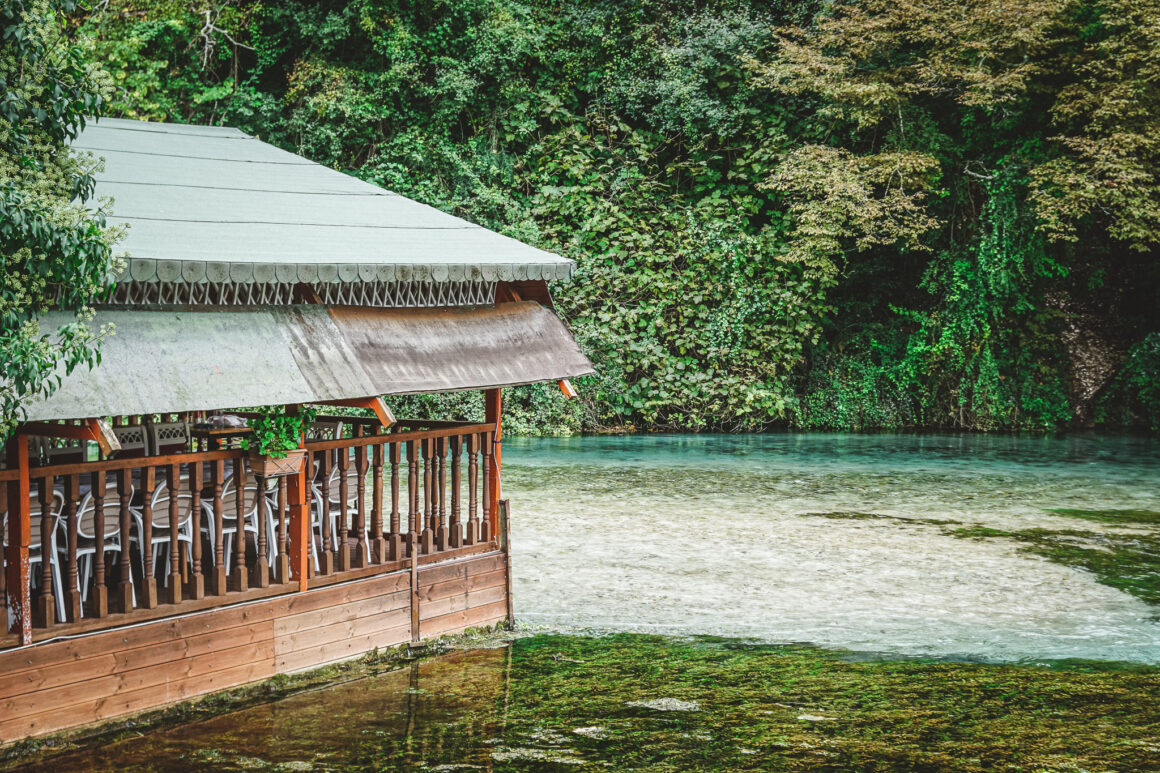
(276, 432)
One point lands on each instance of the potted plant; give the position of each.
(273, 443)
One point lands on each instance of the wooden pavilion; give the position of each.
(144, 562)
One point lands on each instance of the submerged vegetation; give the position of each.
(633, 702)
(849, 215)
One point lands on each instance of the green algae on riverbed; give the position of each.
(636, 702)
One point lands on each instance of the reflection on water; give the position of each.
(431, 713)
(709, 535)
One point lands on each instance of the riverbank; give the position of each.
(635, 702)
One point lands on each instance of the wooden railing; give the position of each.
(120, 540)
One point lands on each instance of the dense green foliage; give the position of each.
(895, 214)
(54, 249)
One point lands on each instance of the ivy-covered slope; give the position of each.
(757, 247)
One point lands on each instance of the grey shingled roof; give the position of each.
(215, 204)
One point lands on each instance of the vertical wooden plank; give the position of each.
(72, 590)
(196, 586)
(239, 576)
(504, 533)
(148, 581)
(456, 528)
(99, 593)
(46, 600)
(125, 575)
(17, 570)
(218, 582)
(493, 414)
(260, 572)
(173, 484)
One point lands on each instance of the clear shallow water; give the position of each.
(708, 534)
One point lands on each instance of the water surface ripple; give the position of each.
(710, 534)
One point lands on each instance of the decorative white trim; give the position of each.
(374, 294)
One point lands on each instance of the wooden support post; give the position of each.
(504, 534)
(282, 560)
(427, 537)
(493, 413)
(18, 575)
(442, 539)
(298, 493)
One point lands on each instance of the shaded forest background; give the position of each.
(852, 216)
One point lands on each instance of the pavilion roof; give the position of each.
(213, 204)
(171, 361)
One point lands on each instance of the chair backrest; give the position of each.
(324, 430)
(168, 437)
(133, 439)
(86, 511)
(58, 450)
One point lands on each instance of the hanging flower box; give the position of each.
(269, 467)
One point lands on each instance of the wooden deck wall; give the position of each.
(57, 685)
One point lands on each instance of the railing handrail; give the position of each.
(398, 437)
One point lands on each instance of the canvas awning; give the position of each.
(176, 361)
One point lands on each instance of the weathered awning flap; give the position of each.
(174, 361)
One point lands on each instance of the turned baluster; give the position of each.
(442, 541)
(343, 549)
(395, 540)
(378, 542)
(427, 537)
(414, 517)
(148, 581)
(173, 483)
(326, 566)
(472, 535)
(99, 594)
(195, 588)
(72, 593)
(260, 573)
(125, 578)
(485, 523)
(46, 601)
(239, 576)
(282, 560)
(456, 529)
(361, 465)
(218, 583)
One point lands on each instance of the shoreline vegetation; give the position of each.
(545, 701)
(820, 216)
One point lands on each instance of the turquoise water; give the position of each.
(711, 534)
